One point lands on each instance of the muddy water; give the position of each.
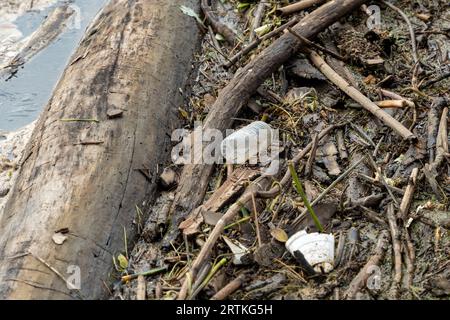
(23, 97)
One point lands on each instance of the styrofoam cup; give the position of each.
(317, 248)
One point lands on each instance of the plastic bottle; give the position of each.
(246, 143)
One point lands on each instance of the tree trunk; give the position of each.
(95, 151)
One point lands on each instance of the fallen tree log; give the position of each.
(195, 177)
(108, 121)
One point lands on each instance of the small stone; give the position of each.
(168, 179)
(114, 113)
(4, 192)
(265, 254)
(302, 68)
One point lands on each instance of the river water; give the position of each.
(24, 96)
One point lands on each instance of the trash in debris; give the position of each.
(59, 238)
(239, 250)
(263, 30)
(246, 143)
(317, 248)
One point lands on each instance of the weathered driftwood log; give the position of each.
(108, 121)
(195, 177)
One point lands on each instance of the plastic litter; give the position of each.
(246, 143)
(317, 248)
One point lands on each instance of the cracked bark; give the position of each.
(93, 189)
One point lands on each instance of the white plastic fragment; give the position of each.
(238, 249)
(263, 30)
(317, 248)
(191, 13)
(59, 238)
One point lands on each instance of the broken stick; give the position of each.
(298, 6)
(258, 17)
(360, 280)
(395, 236)
(219, 27)
(230, 288)
(409, 195)
(365, 102)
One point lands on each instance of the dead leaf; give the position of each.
(370, 79)
(190, 12)
(279, 235)
(123, 261)
(192, 223)
(238, 249)
(212, 217)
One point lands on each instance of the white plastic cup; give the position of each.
(317, 248)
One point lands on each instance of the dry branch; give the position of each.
(230, 288)
(360, 98)
(218, 26)
(301, 5)
(409, 195)
(360, 280)
(395, 236)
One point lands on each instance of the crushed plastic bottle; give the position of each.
(247, 143)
